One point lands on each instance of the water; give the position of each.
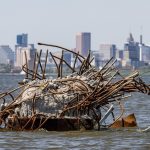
(127, 138)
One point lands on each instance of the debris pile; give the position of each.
(83, 98)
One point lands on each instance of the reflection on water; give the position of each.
(129, 138)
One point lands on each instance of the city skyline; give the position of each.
(57, 22)
(135, 54)
(75, 40)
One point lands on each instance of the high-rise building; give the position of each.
(22, 40)
(6, 55)
(131, 52)
(20, 56)
(133, 48)
(67, 57)
(97, 61)
(83, 43)
(20, 49)
(107, 51)
(144, 53)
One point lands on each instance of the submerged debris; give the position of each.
(82, 99)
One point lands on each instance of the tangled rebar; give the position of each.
(84, 97)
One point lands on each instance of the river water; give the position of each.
(124, 138)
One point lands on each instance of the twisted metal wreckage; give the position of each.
(83, 99)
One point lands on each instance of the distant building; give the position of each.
(83, 43)
(108, 51)
(98, 61)
(20, 56)
(133, 48)
(120, 54)
(131, 52)
(21, 48)
(22, 40)
(67, 57)
(144, 53)
(6, 55)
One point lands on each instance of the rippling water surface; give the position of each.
(128, 138)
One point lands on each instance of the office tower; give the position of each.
(83, 43)
(20, 56)
(97, 61)
(20, 49)
(120, 53)
(6, 55)
(131, 53)
(133, 48)
(22, 40)
(108, 51)
(145, 53)
(67, 57)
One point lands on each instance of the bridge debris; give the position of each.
(84, 98)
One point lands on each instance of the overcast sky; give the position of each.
(58, 21)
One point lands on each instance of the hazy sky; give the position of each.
(58, 21)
